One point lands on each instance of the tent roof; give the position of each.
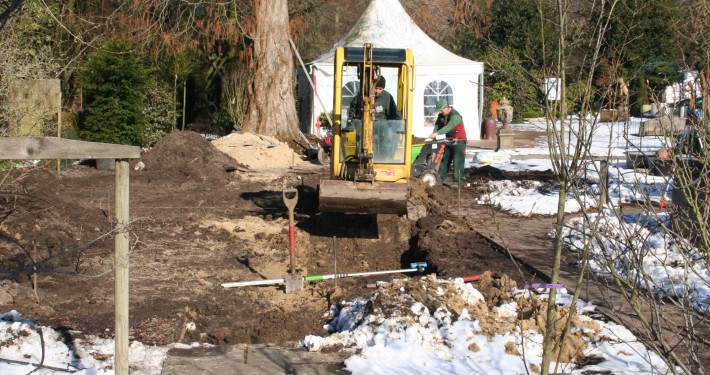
(386, 24)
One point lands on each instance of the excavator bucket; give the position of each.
(363, 197)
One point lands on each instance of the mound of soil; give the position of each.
(428, 306)
(494, 173)
(433, 199)
(258, 151)
(477, 178)
(187, 155)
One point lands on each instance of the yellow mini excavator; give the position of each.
(371, 154)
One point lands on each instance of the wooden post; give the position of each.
(603, 183)
(122, 262)
(59, 127)
(184, 99)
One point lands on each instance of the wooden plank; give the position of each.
(32, 148)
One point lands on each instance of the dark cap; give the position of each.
(380, 82)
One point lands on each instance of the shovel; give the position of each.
(271, 144)
(294, 282)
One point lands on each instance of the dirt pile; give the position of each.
(258, 151)
(187, 155)
(433, 199)
(477, 177)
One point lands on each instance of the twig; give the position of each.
(41, 340)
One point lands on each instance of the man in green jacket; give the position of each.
(450, 122)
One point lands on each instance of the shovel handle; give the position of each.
(290, 197)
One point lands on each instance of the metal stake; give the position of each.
(335, 260)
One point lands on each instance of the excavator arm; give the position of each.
(366, 171)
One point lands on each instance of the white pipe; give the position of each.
(320, 277)
(254, 283)
(341, 275)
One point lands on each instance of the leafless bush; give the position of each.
(235, 94)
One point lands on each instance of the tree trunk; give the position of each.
(272, 108)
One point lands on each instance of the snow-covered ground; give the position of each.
(22, 343)
(409, 326)
(430, 326)
(609, 139)
(641, 248)
(525, 198)
(614, 138)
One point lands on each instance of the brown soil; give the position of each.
(201, 218)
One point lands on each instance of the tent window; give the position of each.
(350, 91)
(434, 91)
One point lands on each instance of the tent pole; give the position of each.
(481, 92)
(310, 80)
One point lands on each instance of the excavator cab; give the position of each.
(371, 153)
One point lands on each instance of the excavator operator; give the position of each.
(385, 111)
(385, 106)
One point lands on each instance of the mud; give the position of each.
(200, 218)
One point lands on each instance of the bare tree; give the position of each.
(567, 157)
(672, 329)
(576, 57)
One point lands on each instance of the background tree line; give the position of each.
(132, 71)
(647, 43)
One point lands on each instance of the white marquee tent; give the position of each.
(439, 73)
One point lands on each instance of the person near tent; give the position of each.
(384, 110)
(450, 122)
